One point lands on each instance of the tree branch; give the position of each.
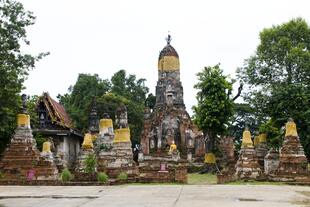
(239, 92)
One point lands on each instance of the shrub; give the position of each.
(90, 164)
(122, 176)
(66, 175)
(102, 177)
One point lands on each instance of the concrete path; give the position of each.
(154, 196)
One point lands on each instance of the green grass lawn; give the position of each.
(201, 179)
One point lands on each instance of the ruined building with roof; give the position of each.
(54, 122)
(169, 122)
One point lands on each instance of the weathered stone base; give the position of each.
(151, 170)
(22, 157)
(118, 159)
(247, 166)
(80, 162)
(261, 152)
(293, 162)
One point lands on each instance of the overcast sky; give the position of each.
(104, 36)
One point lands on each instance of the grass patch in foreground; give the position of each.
(202, 179)
(254, 182)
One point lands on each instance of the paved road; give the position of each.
(153, 196)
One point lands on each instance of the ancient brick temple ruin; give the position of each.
(292, 160)
(22, 160)
(169, 121)
(114, 151)
(169, 138)
(247, 166)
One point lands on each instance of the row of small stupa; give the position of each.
(256, 162)
(111, 148)
(22, 160)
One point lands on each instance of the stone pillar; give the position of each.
(247, 166)
(271, 162)
(86, 150)
(261, 149)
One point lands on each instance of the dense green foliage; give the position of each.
(215, 105)
(244, 115)
(90, 163)
(102, 177)
(66, 175)
(78, 101)
(122, 89)
(122, 176)
(14, 64)
(278, 79)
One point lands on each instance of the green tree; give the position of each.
(14, 64)
(215, 104)
(122, 89)
(150, 101)
(79, 99)
(129, 87)
(244, 115)
(278, 76)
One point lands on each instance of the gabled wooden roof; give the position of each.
(56, 111)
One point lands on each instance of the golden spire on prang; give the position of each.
(168, 58)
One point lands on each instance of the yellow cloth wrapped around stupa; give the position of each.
(23, 120)
(262, 138)
(256, 140)
(122, 135)
(105, 124)
(290, 129)
(246, 139)
(46, 147)
(88, 141)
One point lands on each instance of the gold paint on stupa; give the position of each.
(122, 135)
(88, 141)
(246, 139)
(290, 129)
(169, 63)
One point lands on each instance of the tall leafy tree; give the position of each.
(244, 115)
(215, 104)
(14, 64)
(79, 99)
(109, 94)
(278, 77)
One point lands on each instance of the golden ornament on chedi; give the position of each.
(122, 135)
(46, 147)
(290, 129)
(246, 139)
(88, 141)
(23, 120)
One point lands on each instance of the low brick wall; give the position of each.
(151, 170)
